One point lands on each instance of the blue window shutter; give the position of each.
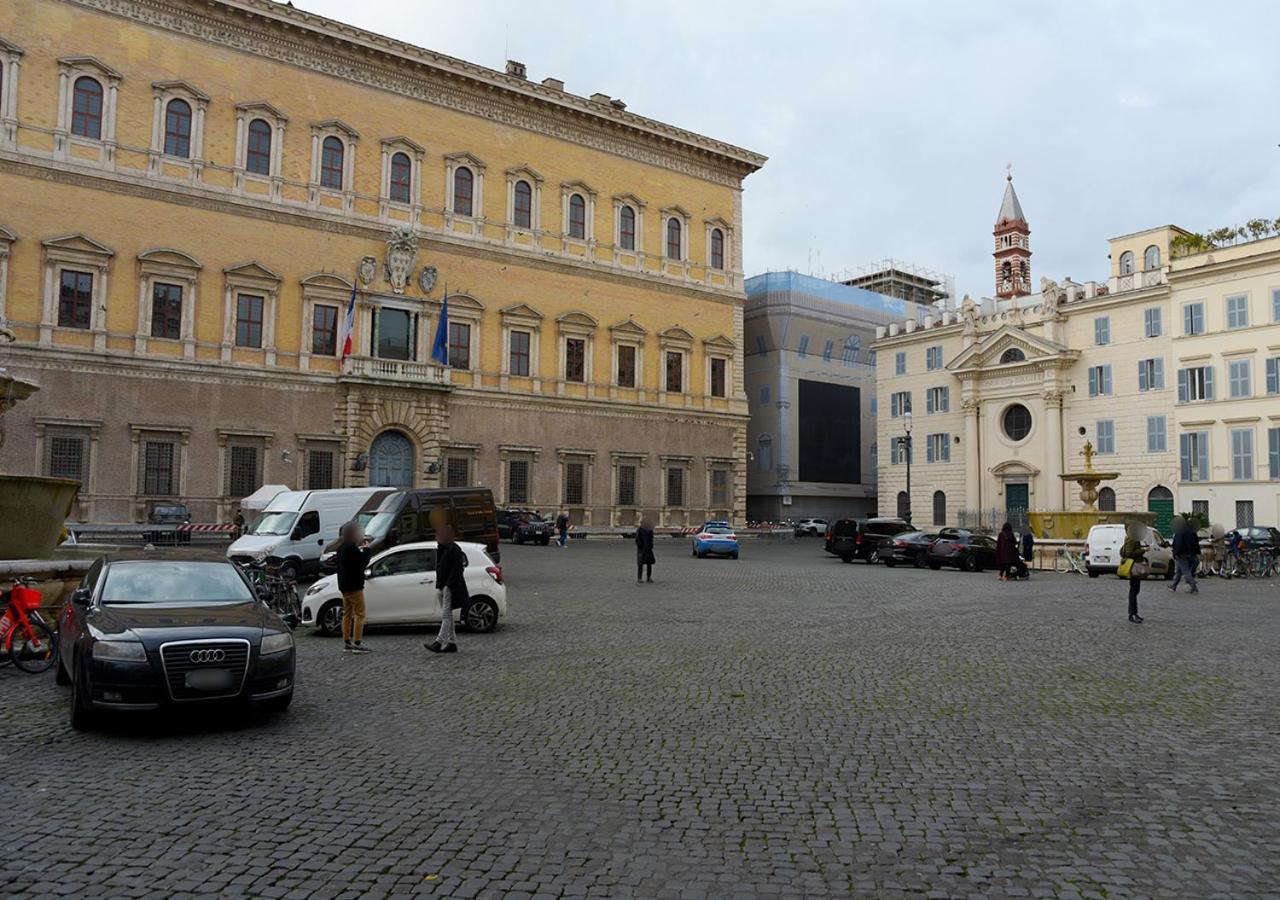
(1159, 385)
(1093, 382)
(1106, 379)
(928, 451)
(1273, 375)
(1273, 451)
(1204, 454)
(1143, 385)
(946, 401)
(1183, 390)
(1208, 382)
(1184, 452)
(928, 401)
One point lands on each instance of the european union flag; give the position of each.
(440, 348)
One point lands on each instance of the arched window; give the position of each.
(523, 205)
(939, 508)
(1013, 354)
(904, 506)
(1106, 499)
(1022, 272)
(577, 216)
(177, 128)
(627, 228)
(86, 108)
(332, 155)
(400, 189)
(764, 453)
(717, 248)
(463, 183)
(1006, 274)
(257, 157)
(1126, 262)
(674, 243)
(1151, 257)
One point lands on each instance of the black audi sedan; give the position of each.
(966, 550)
(144, 633)
(911, 548)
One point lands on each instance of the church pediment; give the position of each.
(629, 327)
(1011, 346)
(718, 342)
(78, 243)
(521, 311)
(251, 271)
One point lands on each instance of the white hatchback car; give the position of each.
(400, 589)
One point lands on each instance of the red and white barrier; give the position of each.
(223, 529)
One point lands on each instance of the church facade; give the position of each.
(1170, 368)
(197, 192)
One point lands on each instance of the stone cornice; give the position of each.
(290, 35)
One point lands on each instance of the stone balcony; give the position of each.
(397, 371)
(1136, 281)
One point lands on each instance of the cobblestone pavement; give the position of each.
(783, 725)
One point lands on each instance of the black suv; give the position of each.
(521, 525)
(852, 539)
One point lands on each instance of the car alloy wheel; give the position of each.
(921, 562)
(480, 615)
(329, 619)
(873, 557)
(969, 564)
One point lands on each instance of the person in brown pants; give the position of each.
(353, 558)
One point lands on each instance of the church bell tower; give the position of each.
(1013, 246)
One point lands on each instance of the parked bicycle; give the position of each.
(1074, 561)
(277, 587)
(25, 639)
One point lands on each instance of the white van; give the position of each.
(296, 526)
(1102, 551)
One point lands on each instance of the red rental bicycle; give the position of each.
(26, 640)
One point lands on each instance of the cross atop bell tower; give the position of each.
(1013, 245)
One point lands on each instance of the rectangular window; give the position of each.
(939, 448)
(675, 371)
(827, 349)
(1193, 452)
(850, 356)
(718, 386)
(324, 330)
(575, 359)
(1157, 434)
(75, 300)
(933, 358)
(320, 470)
(1193, 318)
(765, 394)
(395, 333)
(1151, 374)
(1239, 372)
(242, 472)
(899, 404)
(626, 485)
(457, 471)
(1106, 436)
(1242, 454)
(248, 322)
(873, 404)
(1195, 384)
(158, 469)
(575, 483)
(719, 488)
(1102, 330)
(1238, 311)
(762, 347)
(937, 400)
(518, 481)
(460, 345)
(519, 361)
(1200, 508)
(1273, 375)
(1152, 322)
(899, 450)
(675, 486)
(900, 363)
(66, 455)
(1100, 381)
(626, 366)
(1275, 305)
(1273, 452)
(1244, 513)
(802, 350)
(166, 311)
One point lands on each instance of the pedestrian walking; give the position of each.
(1186, 555)
(1028, 546)
(644, 551)
(562, 528)
(1133, 565)
(352, 558)
(1007, 552)
(451, 587)
(239, 523)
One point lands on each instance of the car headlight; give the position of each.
(317, 587)
(276, 642)
(120, 651)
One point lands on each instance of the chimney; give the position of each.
(617, 104)
(600, 98)
(554, 83)
(516, 69)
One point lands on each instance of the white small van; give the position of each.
(1102, 551)
(296, 526)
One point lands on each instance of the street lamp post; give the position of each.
(906, 443)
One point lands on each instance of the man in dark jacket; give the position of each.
(451, 587)
(644, 550)
(352, 558)
(1186, 555)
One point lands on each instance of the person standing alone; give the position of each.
(562, 527)
(644, 551)
(451, 587)
(1134, 552)
(353, 559)
(1186, 555)
(1007, 552)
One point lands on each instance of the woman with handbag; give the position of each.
(1133, 565)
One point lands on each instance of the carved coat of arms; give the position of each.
(427, 279)
(367, 270)
(402, 250)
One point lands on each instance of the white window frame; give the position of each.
(259, 441)
(167, 266)
(722, 348)
(521, 317)
(678, 213)
(7, 239)
(587, 459)
(508, 453)
(627, 333)
(581, 326)
(675, 340)
(1153, 316)
(250, 278)
(327, 289)
(350, 141)
(140, 435)
(278, 121)
(637, 206)
(88, 429)
(416, 153)
(323, 443)
(1190, 307)
(684, 463)
(1101, 331)
(464, 308)
(453, 162)
(933, 355)
(726, 229)
(618, 459)
(932, 397)
(163, 92)
(588, 194)
(1227, 311)
(70, 69)
(10, 64)
(715, 464)
(534, 180)
(76, 252)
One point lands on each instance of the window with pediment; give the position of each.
(333, 162)
(401, 173)
(87, 95)
(10, 63)
(76, 270)
(168, 284)
(260, 130)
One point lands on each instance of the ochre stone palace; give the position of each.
(192, 190)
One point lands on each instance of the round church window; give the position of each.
(1017, 422)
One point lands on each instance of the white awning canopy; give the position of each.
(258, 500)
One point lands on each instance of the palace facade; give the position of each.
(194, 190)
(1170, 368)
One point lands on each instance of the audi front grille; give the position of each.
(182, 657)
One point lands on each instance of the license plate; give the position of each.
(209, 680)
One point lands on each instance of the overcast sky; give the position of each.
(888, 124)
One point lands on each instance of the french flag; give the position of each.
(348, 326)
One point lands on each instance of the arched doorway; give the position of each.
(1106, 500)
(939, 508)
(391, 461)
(1160, 502)
(904, 506)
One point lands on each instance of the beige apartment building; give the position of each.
(1168, 368)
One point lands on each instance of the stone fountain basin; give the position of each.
(32, 512)
(1074, 525)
